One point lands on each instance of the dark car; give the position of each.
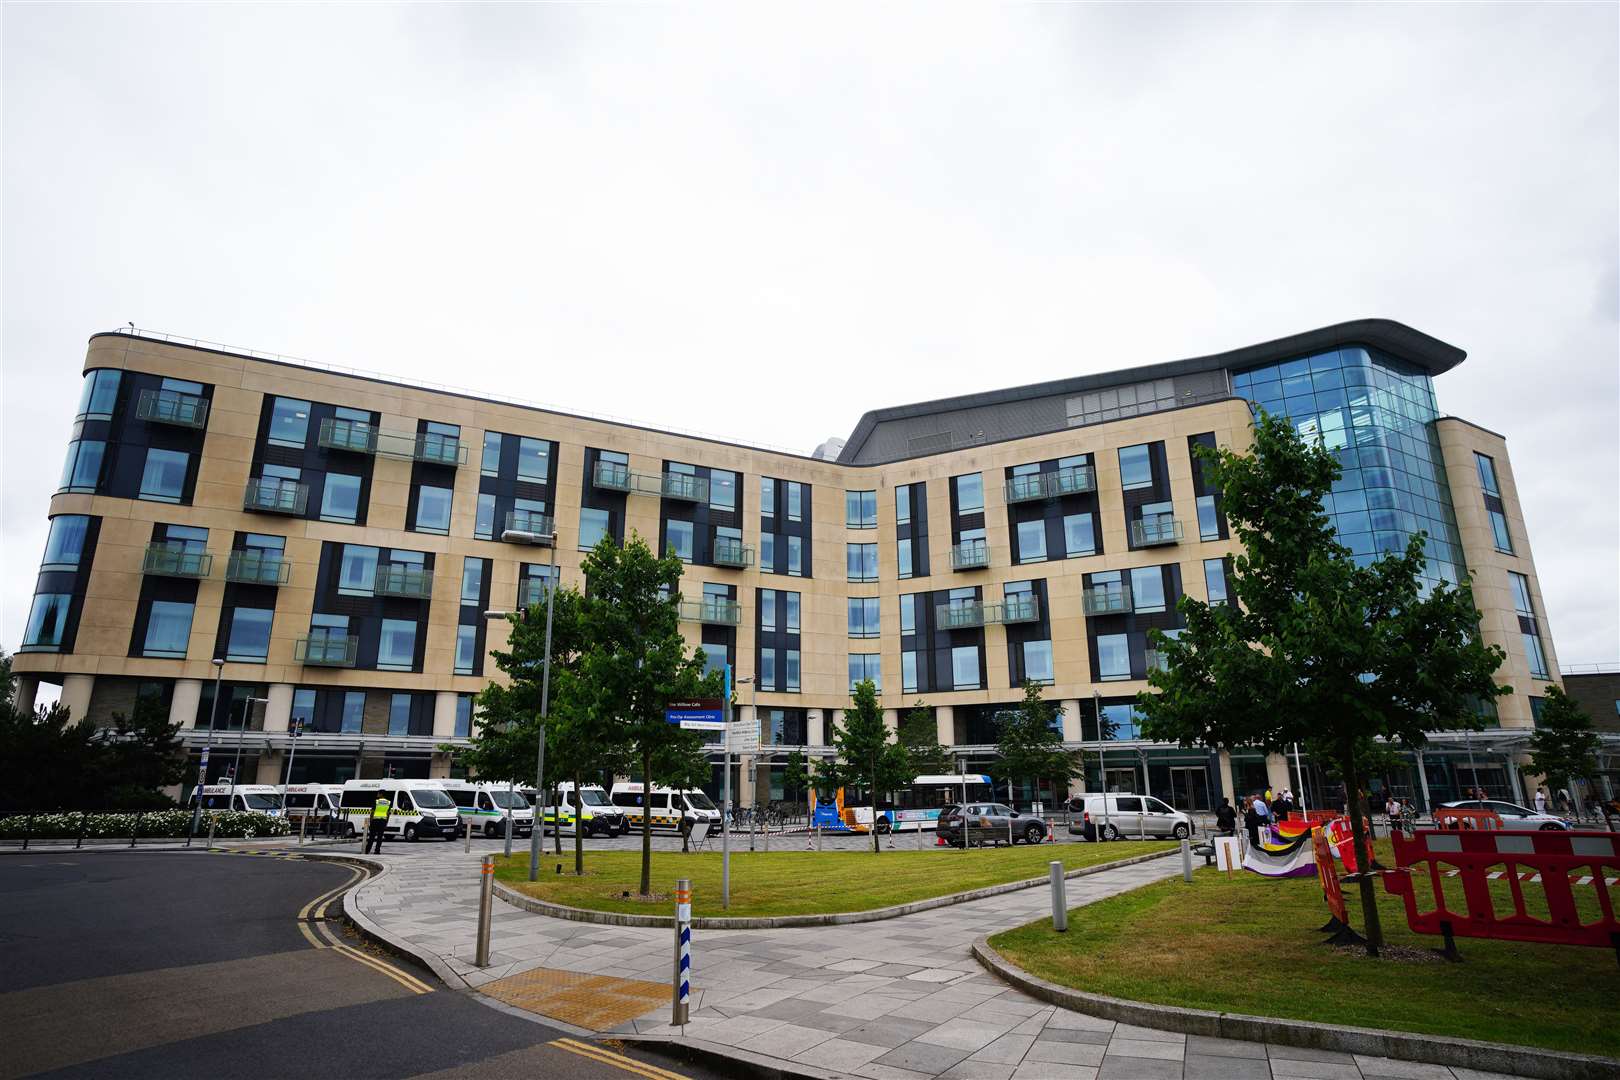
(989, 823)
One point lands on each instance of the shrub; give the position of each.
(67, 825)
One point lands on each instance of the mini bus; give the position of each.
(320, 803)
(590, 806)
(671, 810)
(484, 807)
(249, 798)
(418, 809)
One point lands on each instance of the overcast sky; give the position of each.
(762, 221)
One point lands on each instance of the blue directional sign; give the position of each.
(704, 714)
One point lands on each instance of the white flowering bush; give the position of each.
(69, 825)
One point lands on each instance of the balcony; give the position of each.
(257, 568)
(973, 555)
(432, 448)
(351, 436)
(685, 488)
(273, 495)
(1026, 488)
(531, 592)
(164, 561)
(1074, 480)
(408, 581)
(326, 650)
(729, 551)
(718, 612)
(1014, 609)
(1155, 531)
(1156, 660)
(1106, 599)
(962, 615)
(529, 527)
(172, 407)
(611, 476)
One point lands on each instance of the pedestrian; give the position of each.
(376, 825)
(1541, 800)
(1251, 819)
(1226, 817)
(1392, 810)
(1563, 802)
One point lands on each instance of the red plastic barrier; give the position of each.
(1451, 817)
(1327, 872)
(1314, 817)
(1557, 857)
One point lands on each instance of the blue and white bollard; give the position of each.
(683, 952)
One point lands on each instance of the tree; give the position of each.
(6, 685)
(795, 777)
(920, 736)
(51, 759)
(1316, 648)
(634, 662)
(867, 758)
(1564, 745)
(683, 764)
(139, 754)
(1030, 746)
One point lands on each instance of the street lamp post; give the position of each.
(241, 732)
(202, 769)
(725, 798)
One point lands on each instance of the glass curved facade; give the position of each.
(1377, 415)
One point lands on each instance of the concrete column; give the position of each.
(24, 688)
(1277, 772)
(278, 710)
(444, 716)
(1423, 782)
(183, 704)
(1224, 768)
(745, 780)
(815, 729)
(891, 720)
(945, 725)
(1071, 720)
(76, 690)
(439, 764)
(272, 768)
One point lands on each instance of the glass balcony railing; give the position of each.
(257, 568)
(1074, 480)
(973, 555)
(354, 436)
(1156, 660)
(273, 495)
(529, 527)
(408, 581)
(531, 591)
(685, 487)
(1155, 530)
(611, 476)
(172, 407)
(438, 449)
(729, 551)
(326, 650)
(720, 612)
(164, 561)
(1014, 609)
(961, 615)
(1026, 488)
(1106, 599)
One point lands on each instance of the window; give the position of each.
(433, 509)
(861, 561)
(767, 497)
(357, 570)
(795, 554)
(593, 525)
(1520, 585)
(1113, 657)
(303, 710)
(164, 478)
(767, 553)
(860, 509)
(289, 422)
(354, 711)
(1215, 580)
(722, 490)
(1079, 536)
(863, 617)
(1534, 654)
(100, 395)
(714, 658)
(965, 667)
(168, 629)
(792, 605)
(47, 621)
(472, 580)
(1524, 607)
(399, 714)
(864, 666)
(679, 538)
(340, 500)
(908, 672)
(767, 609)
(791, 670)
(767, 669)
(908, 613)
(795, 501)
(440, 443)
(902, 504)
(490, 463)
(903, 558)
(1147, 589)
(250, 634)
(533, 461)
(64, 547)
(1499, 532)
(969, 493)
(1032, 541)
(1209, 522)
(396, 648)
(1487, 475)
(466, 649)
(1038, 661)
(1135, 467)
(484, 518)
(464, 708)
(82, 469)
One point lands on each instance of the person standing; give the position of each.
(1226, 818)
(379, 821)
(1251, 819)
(1541, 800)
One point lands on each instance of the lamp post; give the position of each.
(241, 732)
(725, 798)
(1102, 759)
(202, 769)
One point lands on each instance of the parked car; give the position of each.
(1126, 816)
(993, 823)
(1513, 815)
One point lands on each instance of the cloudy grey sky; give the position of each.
(763, 220)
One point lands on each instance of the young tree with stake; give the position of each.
(867, 757)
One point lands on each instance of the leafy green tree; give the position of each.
(1316, 648)
(1564, 746)
(1030, 745)
(920, 736)
(139, 753)
(867, 757)
(795, 776)
(5, 678)
(51, 759)
(683, 764)
(634, 662)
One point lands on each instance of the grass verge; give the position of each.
(1249, 945)
(765, 884)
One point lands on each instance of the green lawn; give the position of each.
(798, 882)
(1249, 945)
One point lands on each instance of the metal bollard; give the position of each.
(1060, 898)
(134, 829)
(28, 830)
(466, 838)
(486, 898)
(84, 819)
(303, 824)
(1186, 861)
(681, 985)
(818, 836)
(213, 820)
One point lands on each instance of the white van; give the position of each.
(671, 810)
(492, 804)
(320, 803)
(249, 798)
(591, 806)
(417, 808)
(1126, 817)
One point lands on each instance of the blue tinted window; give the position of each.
(65, 545)
(168, 629)
(289, 422)
(396, 648)
(1135, 467)
(432, 509)
(340, 500)
(464, 707)
(47, 620)
(164, 477)
(354, 711)
(100, 394)
(466, 649)
(82, 469)
(250, 634)
(593, 525)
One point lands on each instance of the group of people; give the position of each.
(1260, 809)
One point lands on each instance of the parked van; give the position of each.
(1126, 816)
(670, 810)
(591, 806)
(417, 808)
(486, 806)
(249, 798)
(320, 803)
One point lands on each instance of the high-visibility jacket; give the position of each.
(379, 809)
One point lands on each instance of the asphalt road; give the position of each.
(189, 964)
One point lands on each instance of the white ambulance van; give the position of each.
(670, 810)
(248, 798)
(418, 809)
(591, 806)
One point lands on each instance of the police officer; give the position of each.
(378, 822)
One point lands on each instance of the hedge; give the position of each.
(67, 825)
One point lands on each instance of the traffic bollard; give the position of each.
(1186, 861)
(486, 899)
(1060, 899)
(303, 826)
(135, 829)
(213, 820)
(681, 986)
(28, 830)
(466, 839)
(818, 836)
(84, 819)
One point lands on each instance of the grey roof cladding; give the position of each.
(1044, 407)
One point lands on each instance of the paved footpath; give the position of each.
(901, 999)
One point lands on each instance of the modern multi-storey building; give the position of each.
(336, 540)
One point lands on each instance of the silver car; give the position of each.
(1513, 815)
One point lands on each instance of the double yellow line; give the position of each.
(315, 912)
(618, 1061)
